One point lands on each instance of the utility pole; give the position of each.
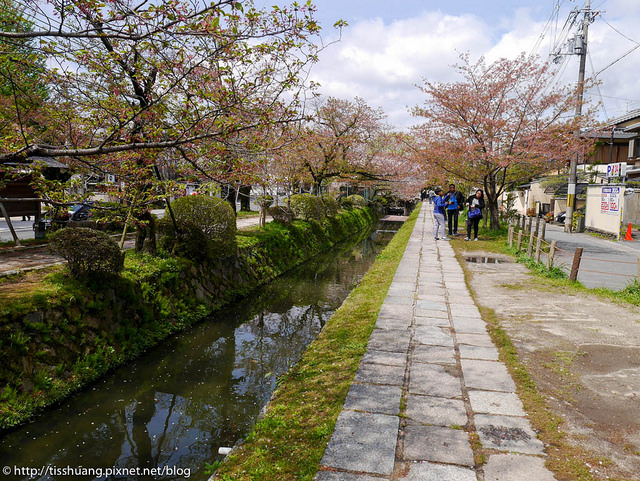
(580, 49)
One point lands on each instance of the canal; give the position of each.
(173, 408)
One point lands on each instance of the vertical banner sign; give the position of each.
(610, 201)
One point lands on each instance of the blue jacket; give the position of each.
(452, 198)
(439, 205)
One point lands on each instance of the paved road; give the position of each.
(605, 263)
(429, 381)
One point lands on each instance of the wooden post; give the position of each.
(519, 240)
(576, 264)
(531, 238)
(537, 225)
(13, 231)
(552, 254)
(544, 229)
(538, 246)
(524, 221)
(529, 224)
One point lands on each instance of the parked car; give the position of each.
(561, 217)
(79, 212)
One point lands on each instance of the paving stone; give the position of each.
(431, 305)
(433, 336)
(374, 399)
(478, 352)
(363, 442)
(380, 374)
(504, 403)
(433, 354)
(431, 313)
(469, 325)
(437, 444)
(425, 471)
(436, 410)
(507, 433)
(474, 339)
(428, 294)
(397, 291)
(396, 311)
(398, 300)
(516, 467)
(432, 321)
(336, 476)
(464, 310)
(389, 340)
(435, 380)
(486, 375)
(397, 323)
(383, 357)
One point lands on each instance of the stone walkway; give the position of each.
(429, 380)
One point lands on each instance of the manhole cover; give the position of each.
(499, 434)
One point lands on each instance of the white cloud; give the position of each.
(383, 61)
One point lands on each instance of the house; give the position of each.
(19, 187)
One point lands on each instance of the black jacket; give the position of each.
(481, 203)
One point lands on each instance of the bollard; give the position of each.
(530, 248)
(552, 254)
(510, 236)
(538, 247)
(576, 264)
(519, 246)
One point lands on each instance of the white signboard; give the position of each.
(610, 201)
(618, 169)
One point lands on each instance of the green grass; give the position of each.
(289, 442)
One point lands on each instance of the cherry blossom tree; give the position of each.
(341, 140)
(129, 75)
(501, 125)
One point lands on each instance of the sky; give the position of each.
(390, 47)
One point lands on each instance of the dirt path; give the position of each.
(582, 352)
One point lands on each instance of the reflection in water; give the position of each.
(174, 407)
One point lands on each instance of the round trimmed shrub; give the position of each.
(212, 216)
(87, 251)
(357, 200)
(281, 214)
(331, 206)
(307, 207)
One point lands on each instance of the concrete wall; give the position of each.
(604, 208)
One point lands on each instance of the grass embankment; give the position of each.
(289, 442)
(566, 460)
(57, 334)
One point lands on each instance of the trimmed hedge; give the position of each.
(206, 227)
(89, 252)
(281, 214)
(307, 207)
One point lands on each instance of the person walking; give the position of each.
(455, 203)
(438, 215)
(475, 204)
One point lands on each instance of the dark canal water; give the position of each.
(173, 408)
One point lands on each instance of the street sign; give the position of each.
(619, 169)
(610, 201)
